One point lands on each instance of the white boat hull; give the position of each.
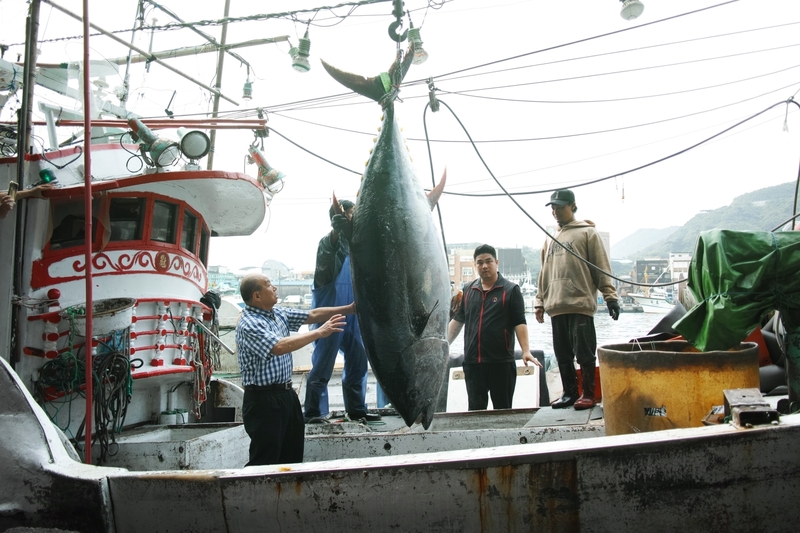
(653, 305)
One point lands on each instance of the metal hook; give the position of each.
(397, 37)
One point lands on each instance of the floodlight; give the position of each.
(162, 152)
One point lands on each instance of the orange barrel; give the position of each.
(664, 385)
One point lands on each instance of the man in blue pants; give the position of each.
(332, 284)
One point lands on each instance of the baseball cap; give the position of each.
(562, 197)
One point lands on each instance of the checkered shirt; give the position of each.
(257, 333)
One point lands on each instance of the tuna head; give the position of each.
(399, 270)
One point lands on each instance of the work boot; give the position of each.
(569, 381)
(586, 401)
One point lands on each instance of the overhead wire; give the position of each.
(566, 136)
(584, 40)
(626, 71)
(629, 171)
(566, 248)
(624, 99)
(605, 54)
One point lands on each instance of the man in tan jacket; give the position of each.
(573, 271)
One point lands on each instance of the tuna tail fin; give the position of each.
(373, 87)
(436, 192)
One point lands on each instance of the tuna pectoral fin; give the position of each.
(436, 192)
(418, 324)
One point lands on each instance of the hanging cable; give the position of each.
(314, 154)
(635, 169)
(588, 263)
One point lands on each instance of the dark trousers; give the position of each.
(574, 337)
(274, 422)
(497, 379)
(354, 375)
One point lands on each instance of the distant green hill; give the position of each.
(760, 210)
(639, 240)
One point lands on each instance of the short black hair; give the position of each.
(250, 284)
(485, 249)
(346, 205)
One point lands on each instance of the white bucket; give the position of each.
(168, 418)
(181, 416)
(108, 315)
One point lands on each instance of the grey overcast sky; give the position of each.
(554, 93)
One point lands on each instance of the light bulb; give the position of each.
(420, 55)
(300, 53)
(299, 62)
(631, 9)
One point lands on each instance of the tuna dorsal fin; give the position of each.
(370, 87)
(420, 323)
(436, 192)
(337, 207)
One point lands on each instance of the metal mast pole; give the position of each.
(87, 208)
(218, 83)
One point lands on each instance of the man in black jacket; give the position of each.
(494, 312)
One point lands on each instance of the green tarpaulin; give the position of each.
(737, 277)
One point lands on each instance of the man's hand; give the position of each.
(613, 309)
(37, 191)
(338, 223)
(6, 205)
(540, 315)
(528, 358)
(335, 324)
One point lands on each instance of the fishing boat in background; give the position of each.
(655, 300)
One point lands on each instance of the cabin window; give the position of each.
(69, 221)
(204, 245)
(189, 231)
(127, 219)
(164, 219)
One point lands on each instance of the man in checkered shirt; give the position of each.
(273, 417)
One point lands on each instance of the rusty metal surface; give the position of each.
(738, 481)
(490, 495)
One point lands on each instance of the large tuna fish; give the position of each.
(399, 269)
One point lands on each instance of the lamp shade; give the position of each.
(631, 9)
(420, 55)
(194, 144)
(162, 152)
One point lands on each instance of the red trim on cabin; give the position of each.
(146, 179)
(166, 258)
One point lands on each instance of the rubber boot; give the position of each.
(586, 401)
(569, 380)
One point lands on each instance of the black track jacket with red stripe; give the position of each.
(489, 319)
